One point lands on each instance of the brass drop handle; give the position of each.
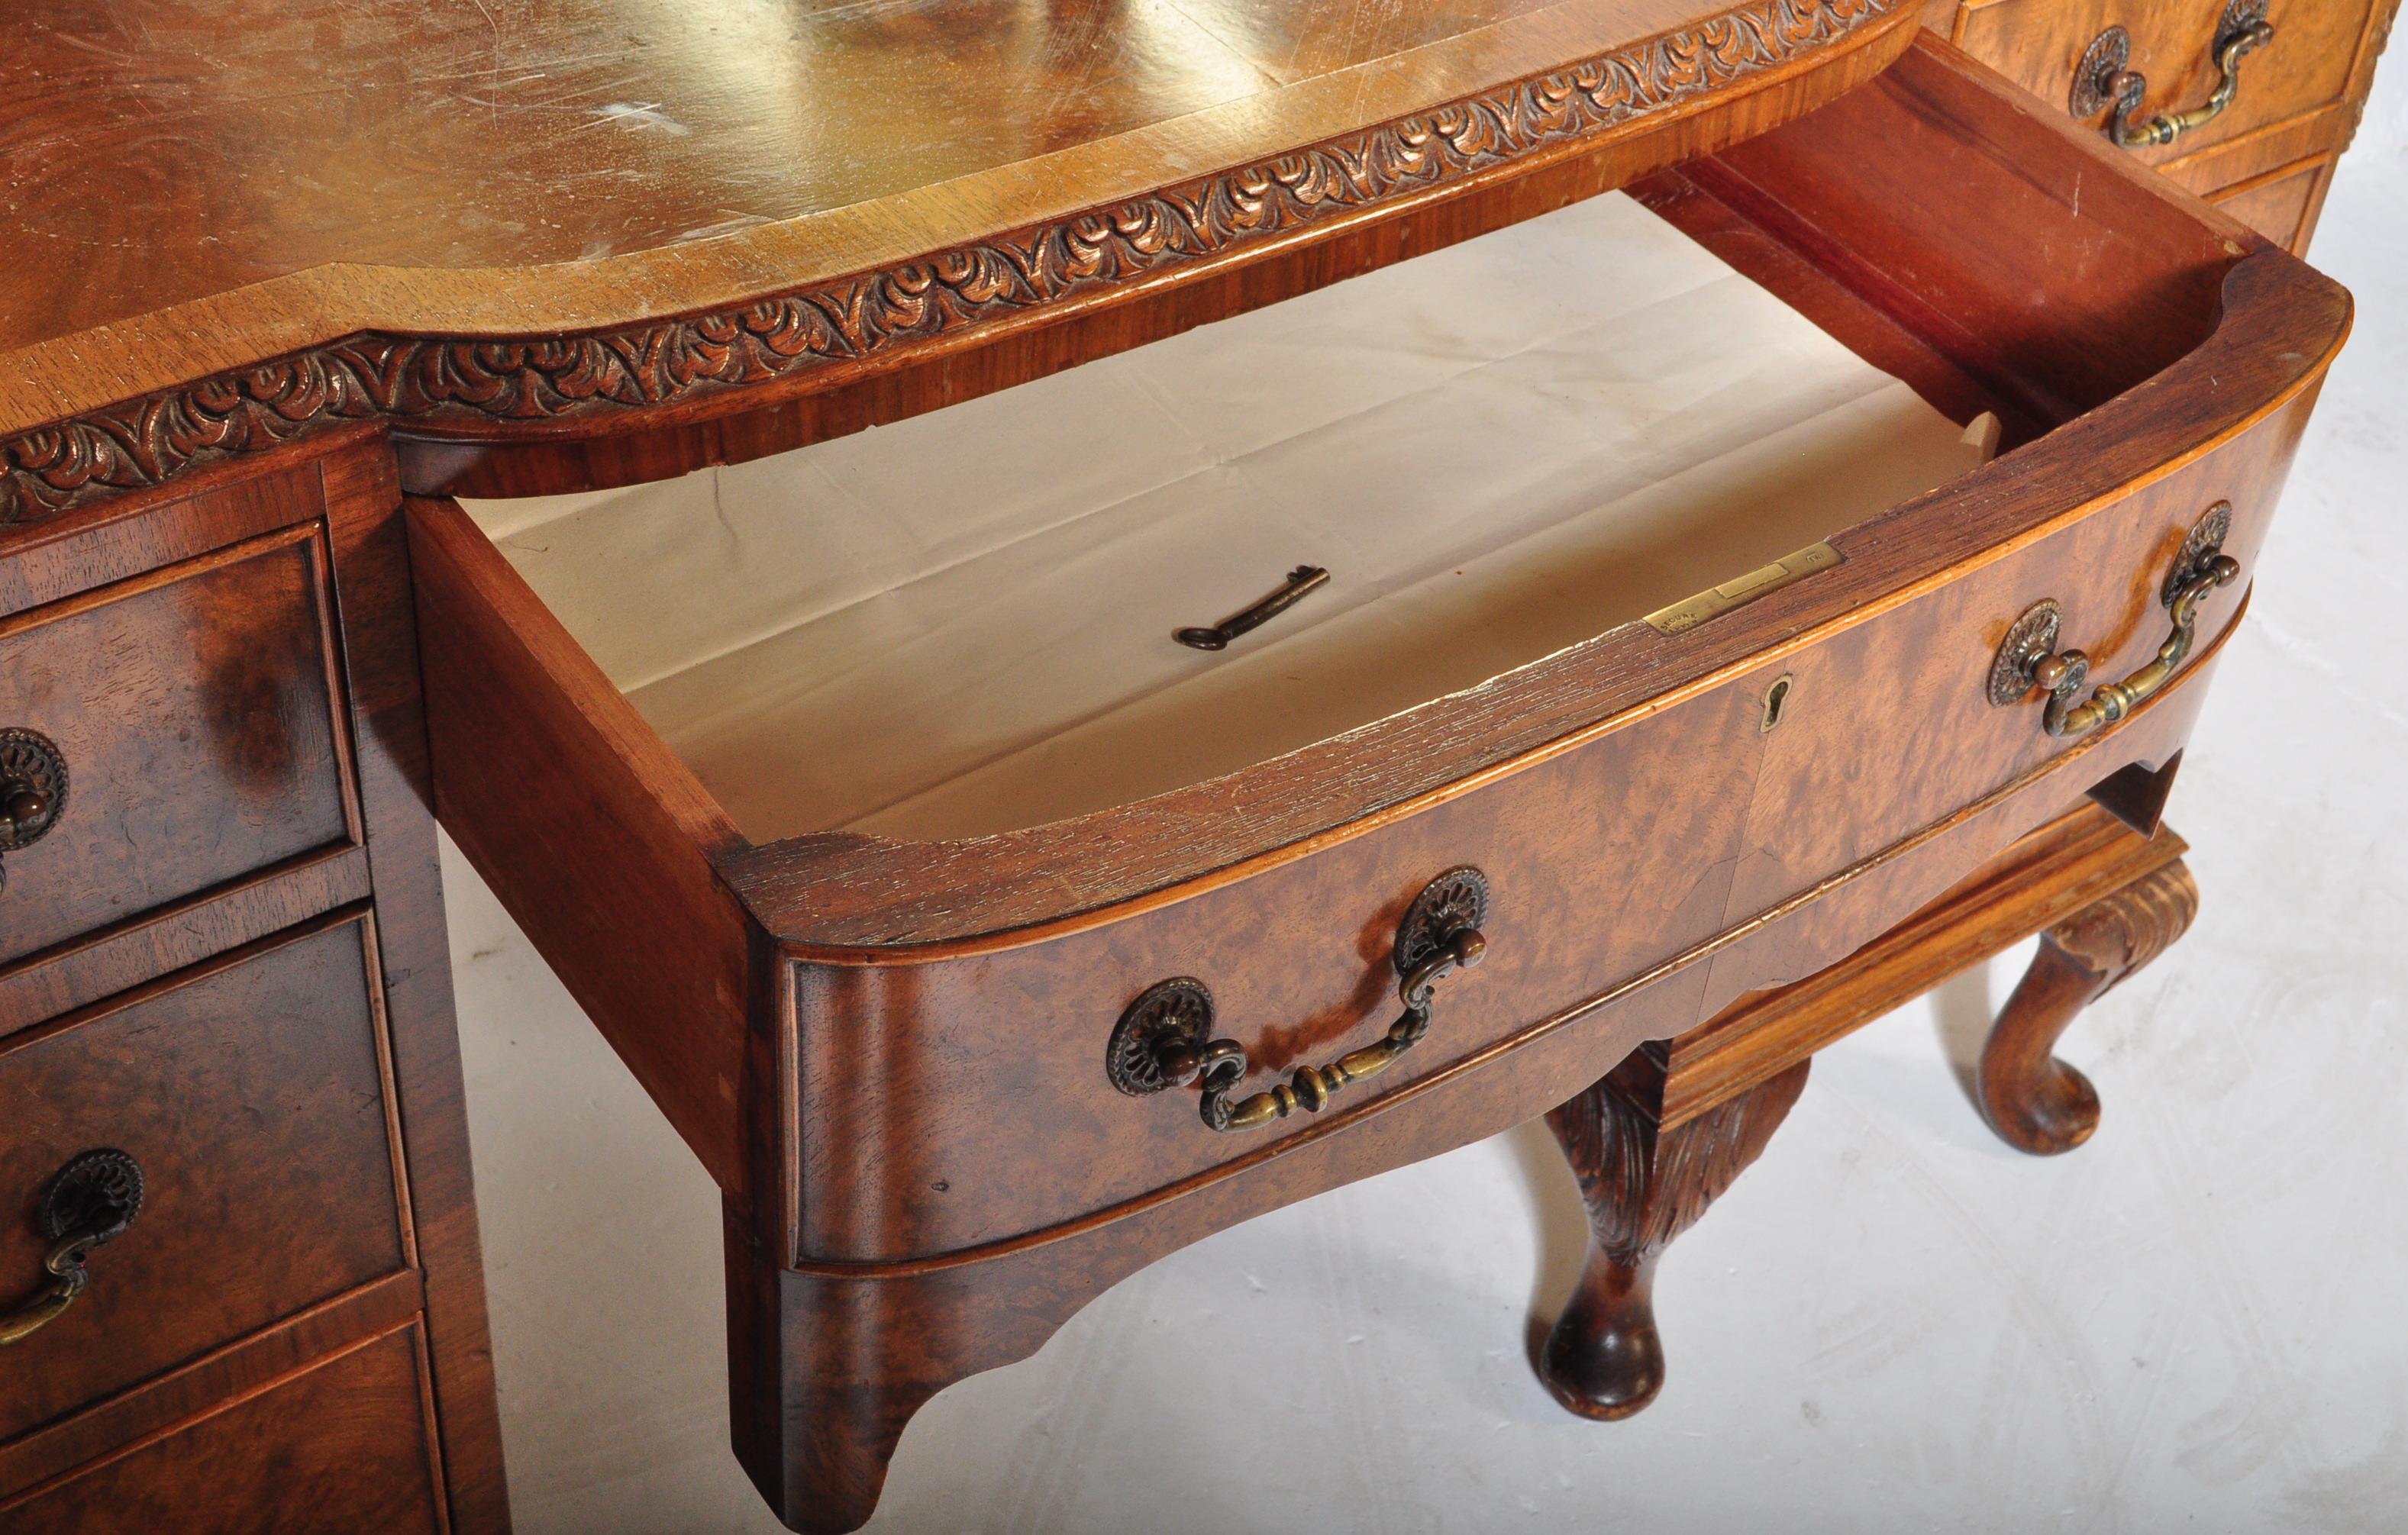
(1162, 1039)
(2029, 656)
(2101, 79)
(90, 1202)
(1225, 1061)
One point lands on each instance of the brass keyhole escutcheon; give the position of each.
(1776, 703)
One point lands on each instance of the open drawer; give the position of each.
(985, 943)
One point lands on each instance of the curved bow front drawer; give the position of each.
(1647, 637)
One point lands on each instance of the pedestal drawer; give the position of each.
(342, 1448)
(167, 734)
(253, 1097)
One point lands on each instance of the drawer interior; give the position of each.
(962, 624)
(1913, 325)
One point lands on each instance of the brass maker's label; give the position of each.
(1739, 592)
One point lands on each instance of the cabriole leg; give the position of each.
(2036, 1102)
(1644, 1184)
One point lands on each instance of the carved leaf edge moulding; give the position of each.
(852, 319)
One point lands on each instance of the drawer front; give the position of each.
(2307, 66)
(253, 1095)
(342, 1448)
(967, 1100)
(196, 719)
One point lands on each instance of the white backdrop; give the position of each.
(1893, 1323)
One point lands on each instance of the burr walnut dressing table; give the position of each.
(455, 412)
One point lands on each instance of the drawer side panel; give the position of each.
(593, 835)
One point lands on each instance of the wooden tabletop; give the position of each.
(198, 185)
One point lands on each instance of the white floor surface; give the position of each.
(2197, 1322)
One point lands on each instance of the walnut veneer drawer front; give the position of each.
(340, 1449)
(1657, 844)
(251, 1093)
(179, 730)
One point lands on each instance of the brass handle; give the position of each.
(90, 1202)
(33, 790)
(1162, 1039)
(2029, 656)
(2101, 79)
(1225, 1061)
